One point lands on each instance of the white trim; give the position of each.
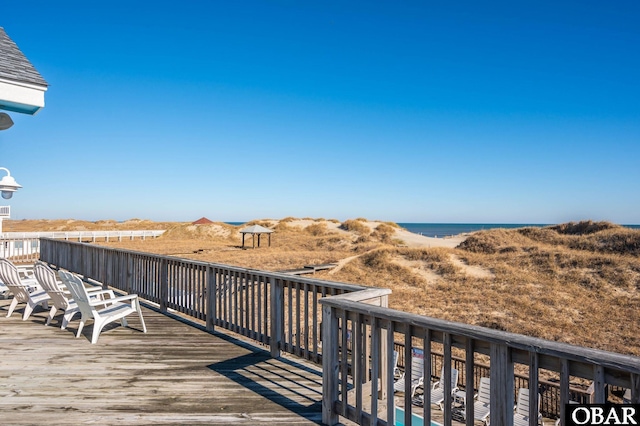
(29, 98)
(23, 84)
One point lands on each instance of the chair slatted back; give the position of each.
(11, 278)
(47, 279)
(78, 292)
(417, 365)
(484, 391)
(454, 378)
(522, 405)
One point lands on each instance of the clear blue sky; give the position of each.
(467, 111)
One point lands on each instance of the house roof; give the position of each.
(256, 229)
(202, 221)
(21, 85)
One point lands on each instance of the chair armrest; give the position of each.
(114, 300)
(25, 271)
(94, 289)
(100, 292)
(33, 287)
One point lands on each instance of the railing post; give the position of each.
(635, 388)
(469, 379)
(330, 365)
(126, 286)
(211, 292)
(384, 350)
(277, 316)
(164, 284)
(501, 385)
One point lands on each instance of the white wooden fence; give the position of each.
(23, 247)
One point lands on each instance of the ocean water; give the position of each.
(448, 229)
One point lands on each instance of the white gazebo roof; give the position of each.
(21, 85)
(256, 229)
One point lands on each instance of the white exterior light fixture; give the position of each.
(8, 185)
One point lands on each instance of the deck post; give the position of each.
(277, 316)
(502, 398)
(635, 388)
(211, 290)
(385, 351)
(164, 284)
(127, 282)
(330, 365)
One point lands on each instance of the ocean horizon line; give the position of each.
(444, 229)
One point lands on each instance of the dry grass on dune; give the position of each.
(578, 283)
(81, 225)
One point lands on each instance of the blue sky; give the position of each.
(484, 112)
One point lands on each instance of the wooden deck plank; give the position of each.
(177, 373)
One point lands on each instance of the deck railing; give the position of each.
(352, 333)
(278, 310)
(549, 390)
(20, 250)
(503, 350)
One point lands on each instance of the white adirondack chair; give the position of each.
(101, 311)
(61, 299)
(23, 290)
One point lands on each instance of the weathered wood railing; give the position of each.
(278, 310)
(504, 350)
(285, 312)
(549, 390)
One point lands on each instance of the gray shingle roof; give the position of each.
(14, 65)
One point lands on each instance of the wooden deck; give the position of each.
(177, 373)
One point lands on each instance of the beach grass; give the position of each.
(577, 283)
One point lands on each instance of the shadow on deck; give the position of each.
(177, 373)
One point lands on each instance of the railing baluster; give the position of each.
(426, 396)
(375, 367)
(389, 358)
(446, 342)
(469, 384)
(344, 361)
(408, 373)
(599, 385)
(534, 403)
(564, 387)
